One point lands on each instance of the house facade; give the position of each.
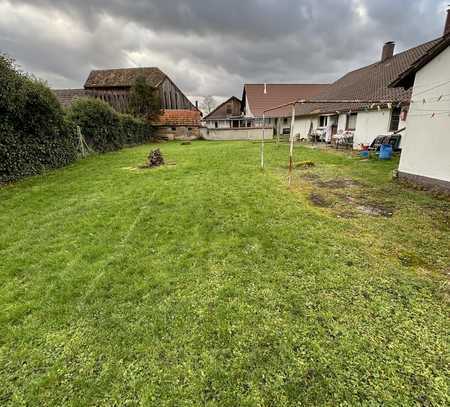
(383, 110)
(226, 116)
(425, 155)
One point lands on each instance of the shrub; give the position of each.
(103, 128)
(135, 131)
(33, 133)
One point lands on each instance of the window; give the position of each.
(285, 120)
(229, 108)
(323, 121)
(351, 121)
(216, 125)
(395, 118)
(189, 128)
(174, 129)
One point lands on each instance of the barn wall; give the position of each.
(172, 98)
(178, 133)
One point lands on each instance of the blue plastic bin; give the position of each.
(364, 154)
(386, 152)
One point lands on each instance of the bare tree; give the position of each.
(208, 104)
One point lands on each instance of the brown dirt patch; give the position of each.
(319, 200)
(338, 183)
(370, 208)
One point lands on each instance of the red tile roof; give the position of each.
(277, 94)
(188, 118)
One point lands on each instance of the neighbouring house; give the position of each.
(363, 122)
(257, 98)
(225, 116)
(425, 155)
(113, 86)
(179, 124)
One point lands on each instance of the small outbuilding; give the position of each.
(181, 124)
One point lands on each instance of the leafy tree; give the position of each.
(144, 101)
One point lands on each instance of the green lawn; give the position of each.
(209, 282)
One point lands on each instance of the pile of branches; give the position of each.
(155, 159)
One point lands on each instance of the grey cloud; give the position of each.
(212, 46)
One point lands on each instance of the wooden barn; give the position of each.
(113, 86)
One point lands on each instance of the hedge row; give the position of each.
(36, 134)
(33, 131)
(104, 129)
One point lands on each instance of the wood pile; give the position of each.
(155, 159)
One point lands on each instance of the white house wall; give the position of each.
(426, 149)
(342, 122)
(302, 125)
(221, 124)
(370, 125)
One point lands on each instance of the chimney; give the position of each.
(447, 24)
(265, 88)
(388, 51)
(196, 104)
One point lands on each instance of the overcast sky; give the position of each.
(211, 47)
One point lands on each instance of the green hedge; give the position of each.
(104, 129)
(34, 135)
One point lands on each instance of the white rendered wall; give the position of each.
(302, 125)
(342, 122)
(222, 124)
(426, 150)
(370, 125)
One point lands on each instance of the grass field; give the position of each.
(209, 282)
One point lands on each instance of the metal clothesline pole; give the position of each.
(291, 148)
(262, 141)
(309, 101)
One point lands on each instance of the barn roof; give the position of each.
(179, 117)
(67, 96)
(123, 78)
(369, 83)
(277, 94)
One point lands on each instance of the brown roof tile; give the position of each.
(369, 83)
(119, 78)
(67, 96)
(179, 118)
